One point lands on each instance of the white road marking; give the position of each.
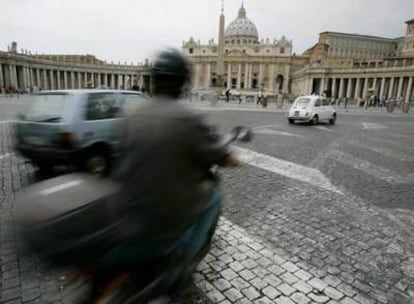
(7, 121)
(323, 128)
(267, 131)
(285, 168)
(375, 126)
(5, 155)
(60, 187)
(370, 169)
(397, 154)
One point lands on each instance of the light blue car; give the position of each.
(80, 128)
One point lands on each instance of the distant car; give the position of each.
(311, 109)
(82, 128)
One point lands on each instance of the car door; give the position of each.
(101, 122)
(317, 108)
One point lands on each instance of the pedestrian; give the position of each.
(227, 95)
(260, 97)
(346, 103)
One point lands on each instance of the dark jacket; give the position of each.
(163, 175)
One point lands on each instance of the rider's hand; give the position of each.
(232, 160)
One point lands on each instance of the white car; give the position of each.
(311, 109)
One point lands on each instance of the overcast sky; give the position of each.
(130, 30)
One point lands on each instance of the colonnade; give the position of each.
(400, 87)
(59, 78)
(242, 75)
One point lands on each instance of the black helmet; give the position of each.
(172, 62)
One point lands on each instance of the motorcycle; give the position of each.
(71, 220)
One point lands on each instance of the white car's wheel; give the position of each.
(332, 120)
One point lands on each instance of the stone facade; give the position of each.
(24, 71)
(339, 64)
(241, 60)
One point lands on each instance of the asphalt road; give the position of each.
(316, 214)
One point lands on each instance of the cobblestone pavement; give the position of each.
(317, 214)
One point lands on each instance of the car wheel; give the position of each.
(291, 121)
(97, 163)
(315, 120)
(332, 120)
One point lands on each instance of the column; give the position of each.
(246, 76)
(11, 75)
(85, 79)
(1, 76)
(72, 80)
(79, 80)
(119, 82)
(382, 87)
(239, 72)
(208, 76)
(52, 83)
(99, 75)
(357, 86)
(333, 87)
(409, 88)
(321, 86)
(39, 82)
(45, 86)
(400, 83)
(374, 85)
(341, 88)
(364, 89)
(260, 75)
(65, 80)
(58, 80)
(229, 75)
(391, 88)
(249, 76)
(113, 81)
(349, 88)
(106, 80)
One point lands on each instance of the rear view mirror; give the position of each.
(242, 134)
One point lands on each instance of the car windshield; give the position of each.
(302, 101)
(46, 107)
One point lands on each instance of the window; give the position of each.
(318, 103)
(325, 102)
(102, 106)
(282, 50)
(191, 50)
(131, 102)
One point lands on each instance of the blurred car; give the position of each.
(81, 128)
(311, 109)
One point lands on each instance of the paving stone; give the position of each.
(286, 289)
(236, 266)
(318, 284)
(221, 284)
(249, 263)
(346, 289)
(303, 275)
(333, 293)
(289, 278)
(233, 294)
(284, 300)
(247, 275)
(271, 292)
(229, 274)
(303, 287)
(258, 283)
(289, 266)
(239, 283)
(263, 300)
(318, 298)
(300, 298)
(348, 300)
(215, 295)
(332, 280)
(251, 293)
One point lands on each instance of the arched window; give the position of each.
(282, 50)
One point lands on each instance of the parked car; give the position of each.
(311, 109)
(81, 128)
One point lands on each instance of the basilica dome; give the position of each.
(242, 27)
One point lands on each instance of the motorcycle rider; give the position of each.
(168, 199)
